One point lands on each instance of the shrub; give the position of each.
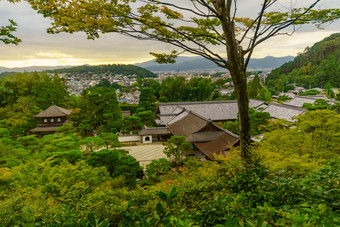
(157, 168)
(116, 163)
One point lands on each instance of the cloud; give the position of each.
(40, 48)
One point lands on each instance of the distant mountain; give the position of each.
(114, 69)
(202, 64)
(125, 70)
(314, 67)
(31, 68)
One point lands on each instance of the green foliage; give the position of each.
(309, 92)
(232, 126)
(55, 143)
(110, 140)
(337, 98)
(66, 129)
(178, 148)
(116, 163)
(306, 147)
(145, 99)
(10, 155)
(315, 67)
(283, 98)
(147, 118)
(92, 143)
(4, 133)
(6, 35)
(165, 58)
(177, 89)
(157, 168)
(288, 87)
(224, 192)
(131, 124)
(128, 107)
(71, 156)
(258, 123)
(23, 95)
(42, 190)
(99, 110)
(257, 91)
(321, 104)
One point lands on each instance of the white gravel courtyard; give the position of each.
(146, 153)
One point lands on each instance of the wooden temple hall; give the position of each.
(208, 138)
(51, 119)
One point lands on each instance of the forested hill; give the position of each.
(114, 69)
(316, 66)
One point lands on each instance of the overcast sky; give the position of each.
(39, 48)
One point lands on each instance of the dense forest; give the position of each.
(315, 67)
(59, 181)
(125, 70)
(73, 178)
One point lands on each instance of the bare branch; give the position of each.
(288, 23)
(256, 32)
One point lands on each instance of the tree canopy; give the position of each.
(194, 26)
(6, 35)
(316, 66)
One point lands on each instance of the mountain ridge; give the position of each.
(184, 63)
(314, 67)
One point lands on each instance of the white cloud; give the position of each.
(39, 48)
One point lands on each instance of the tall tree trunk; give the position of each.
(237, 70)
(243, 106)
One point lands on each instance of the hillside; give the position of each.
(200, 63)
(31, 68)
(314, 67)
(113, 69)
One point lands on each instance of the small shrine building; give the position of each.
(51, 119)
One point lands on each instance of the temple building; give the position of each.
(51, 119)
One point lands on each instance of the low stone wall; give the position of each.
(129, 138)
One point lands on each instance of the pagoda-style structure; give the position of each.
(52, 118)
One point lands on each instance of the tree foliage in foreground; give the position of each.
(6, 35)
(197, 27)
(178, 148)
(294, 182)
(309, 145)
(117, 164)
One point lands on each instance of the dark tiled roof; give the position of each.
(205, 135)
(298, 101)
(214, 110)
(154, 131)
(186, 125)
(45, 129)
(283, 111)
(217, 146)
(54, 111)
(254, 103)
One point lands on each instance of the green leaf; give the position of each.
(173, 193)
(159, 208)
(162, 195)
(91, 219)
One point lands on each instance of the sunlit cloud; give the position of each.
(59, 62)
(41, 49)
(54, 55)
